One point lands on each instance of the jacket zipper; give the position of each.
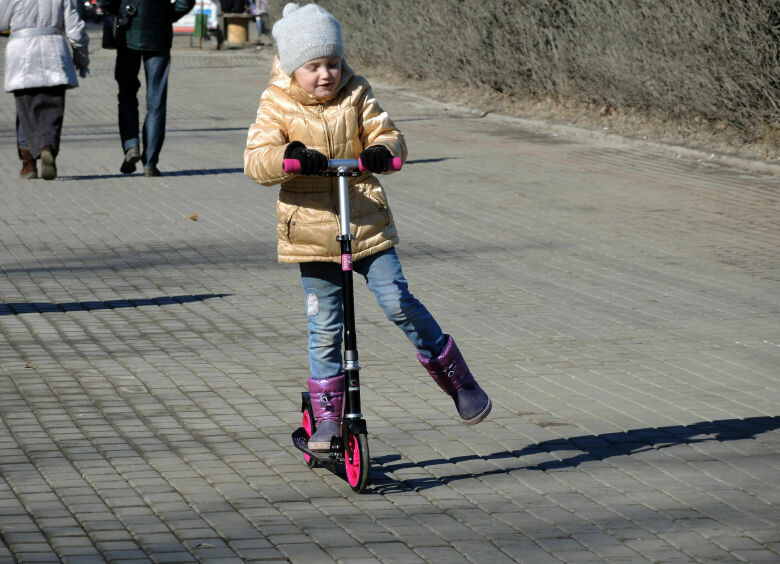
(321, 112)
(333, 195)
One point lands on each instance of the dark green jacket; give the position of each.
(151, 29)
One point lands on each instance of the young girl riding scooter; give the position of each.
(315, 108)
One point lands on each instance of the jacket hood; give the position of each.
(286, 83)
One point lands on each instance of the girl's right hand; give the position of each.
(312, 162)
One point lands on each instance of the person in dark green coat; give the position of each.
(145, 36)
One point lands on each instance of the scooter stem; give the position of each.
(353, 448)
(351, 366)
(344, 200)
(344, 168)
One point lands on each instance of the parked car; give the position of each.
(89, 10)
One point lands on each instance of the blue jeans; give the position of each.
(157, 65)
(261, 21)
(382, 272)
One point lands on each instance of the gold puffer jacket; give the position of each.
(340, 128)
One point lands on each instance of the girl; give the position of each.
(316, 108)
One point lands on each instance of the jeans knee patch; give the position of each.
(396, 312)
(399, 306)
(312, 303)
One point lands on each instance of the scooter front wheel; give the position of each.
(359, 469)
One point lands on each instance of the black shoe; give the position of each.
(132, 156)
(152, 171)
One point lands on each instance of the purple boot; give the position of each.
(451, 373)
(327, 402)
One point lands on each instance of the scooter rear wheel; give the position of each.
(359, 469)
(308, 426)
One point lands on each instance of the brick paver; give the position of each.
(620, 305)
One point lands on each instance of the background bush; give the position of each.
(719, 59)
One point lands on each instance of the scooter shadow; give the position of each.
(568, 452)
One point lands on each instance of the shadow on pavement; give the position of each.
(192, 172)
(206, 129)
(428, 161)
(207, 171)
(18, 308)
(585, 448)
(204, 171)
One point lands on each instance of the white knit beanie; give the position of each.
(306, 33)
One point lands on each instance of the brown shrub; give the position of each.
(718, 59)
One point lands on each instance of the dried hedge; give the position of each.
(719, 59)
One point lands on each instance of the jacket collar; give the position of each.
(285, 82)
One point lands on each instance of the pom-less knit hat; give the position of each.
(306, 33)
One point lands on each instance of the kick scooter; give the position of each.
(350, 448)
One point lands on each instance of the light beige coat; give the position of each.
(340, 128)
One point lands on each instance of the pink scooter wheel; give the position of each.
(358, 470)
(308, 426)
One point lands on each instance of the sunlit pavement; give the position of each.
(620, 305)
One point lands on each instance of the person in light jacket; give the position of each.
(39, 68)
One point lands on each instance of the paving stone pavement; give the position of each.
(620, 305)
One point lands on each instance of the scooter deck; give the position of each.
(327, 460)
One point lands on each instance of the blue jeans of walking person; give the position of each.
(261, 21)
(382, 272)
(157, 65)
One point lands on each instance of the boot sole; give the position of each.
(481, 416)
(29, 175)
(319, 447)
(322, 443)
(48, 167)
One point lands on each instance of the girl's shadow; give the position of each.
(571, 452)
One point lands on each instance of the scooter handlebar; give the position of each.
(293, 166)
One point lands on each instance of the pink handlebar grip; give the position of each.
(394, 164)
(291, 166)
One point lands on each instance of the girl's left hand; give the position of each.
(375, 158)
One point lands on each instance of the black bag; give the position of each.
(114, 26)
(109, 32)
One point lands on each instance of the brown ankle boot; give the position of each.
(29, 170)
(48, 164)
